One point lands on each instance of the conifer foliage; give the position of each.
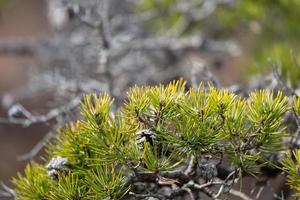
(165, 142)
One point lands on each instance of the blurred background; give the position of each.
(19, 20)
(52, 52)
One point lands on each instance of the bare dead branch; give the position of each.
(279, 80)
(33, 119)
(239, 194)
(18, 47)
(37, 148)
(7, 191)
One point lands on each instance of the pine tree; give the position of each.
(165, 142)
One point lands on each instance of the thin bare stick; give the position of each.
(239, 194)
(18, 47)
(279, 80)
(52, 114)
(37, 148)
(7, 191)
